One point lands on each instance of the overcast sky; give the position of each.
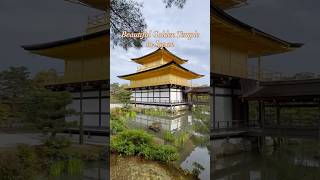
(291, 20)
(37, 21)
(193, 17)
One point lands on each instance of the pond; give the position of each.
(299, 161)
(191, 129)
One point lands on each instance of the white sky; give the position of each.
(195, 16)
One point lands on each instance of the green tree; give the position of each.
(15, 86)
(120, 94)
(124, 97)
(14, 83)
(47, 110)
(178, 3)
(126, 15)
(5, 114)
(45, 77)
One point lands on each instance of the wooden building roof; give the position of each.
(81, 47)
(158, 54)
(284, 90)
(171, 67)
(228, 30)
(228, 4)
(200, 90)
(97, 4)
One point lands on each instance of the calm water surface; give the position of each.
(295, 162)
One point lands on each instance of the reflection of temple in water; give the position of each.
(173, 124)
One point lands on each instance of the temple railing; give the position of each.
(271, 75)
(228, 125)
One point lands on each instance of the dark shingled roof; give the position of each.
(53, 44)
(221, 14)
(200, 90)
(285, 89)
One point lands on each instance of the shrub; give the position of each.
(138, 142)
(19, 165)
(55, 148)
(130, 142)
(118, 125)
(119, 119)
(57, 142)
(168, 136)
(163, 153)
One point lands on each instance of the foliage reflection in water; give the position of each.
(287, 162)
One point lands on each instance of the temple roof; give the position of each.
(228, 4)
(254, 41)
(89, 45)
(157, 54)
(97, 4)
(171, 67)
(282, 90)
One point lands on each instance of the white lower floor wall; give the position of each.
(95, 105)
(158, 95)
(223, 107)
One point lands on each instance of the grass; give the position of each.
(56, 168)
(75, 166)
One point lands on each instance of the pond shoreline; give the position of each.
(135, 167)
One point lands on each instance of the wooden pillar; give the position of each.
(147, 89)
(246, 113)
(213, 109)
(160, 99)
(135, 97)
(81, 131)
(81, 115)
(169, 94)
(233, 108)
(100, 110)
(261, 113)
(278, 113)
(152, 93)
(259, 68)
(319, 118)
